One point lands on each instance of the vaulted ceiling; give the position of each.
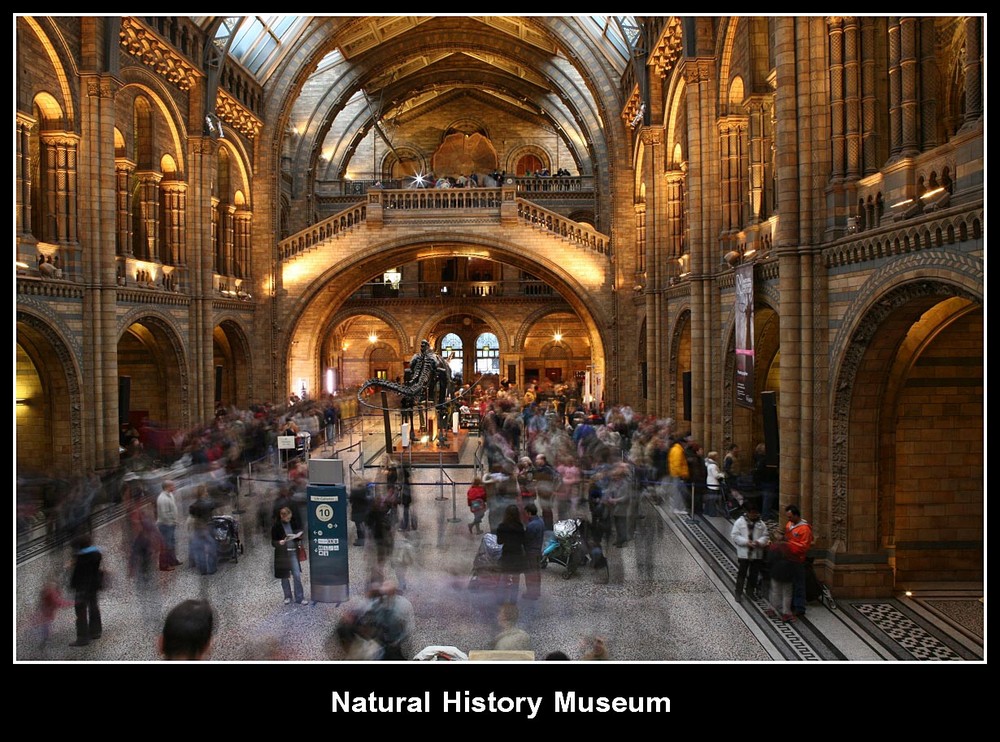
(329, 79)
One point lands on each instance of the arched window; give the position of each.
(451, 351)
(487, 354)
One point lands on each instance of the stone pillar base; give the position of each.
(857, 579)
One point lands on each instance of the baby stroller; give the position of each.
(568, 547)
(226, 532)
(486, 565)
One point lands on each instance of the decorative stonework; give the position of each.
(146, 46)
(237, 115)
(60, 289)
(953, 225)
(856, 335)
(651, 135)
(668, 48)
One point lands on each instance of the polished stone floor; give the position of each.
(665, 600)
(668, 598)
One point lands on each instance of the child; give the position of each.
(50, 600)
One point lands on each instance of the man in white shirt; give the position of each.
(166, 522)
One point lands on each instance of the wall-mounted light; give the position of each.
(557, 337)
(21, 401)
(373, 338)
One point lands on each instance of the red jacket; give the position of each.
(799, 537)
(476, 493)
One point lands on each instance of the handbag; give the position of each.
(300, 552)
(476, 505)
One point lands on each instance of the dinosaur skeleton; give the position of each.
(430, 372)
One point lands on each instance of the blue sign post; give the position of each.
(326, 505)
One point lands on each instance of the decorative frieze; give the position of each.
(148, 48)
(668, 47)
(237, 115)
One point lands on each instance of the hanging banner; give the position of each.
(744, 381)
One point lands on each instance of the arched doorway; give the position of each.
(152, 382)
(908, 421)
(231, 364)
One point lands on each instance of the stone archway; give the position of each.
(232, 362)
(313, 304)
(47, 395)
(907, 451)
(151, 356)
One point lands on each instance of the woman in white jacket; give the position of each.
(713, 486)
(750, 537)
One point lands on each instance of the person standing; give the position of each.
(534, 536)
(799, 535)
(780, 570)
(750, 536)
(714, 504)
(476, 498)
(679, 472)
(166, 522)
(86, 582)
(510, 536)
(360, 499)
(203, 550)
(286, 535)
(546, 481)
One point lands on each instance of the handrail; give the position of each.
(573, 231)
(332, 226)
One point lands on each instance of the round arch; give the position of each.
(582, 289)
(147, 330)
(890, 303)
(149, 84)
(232, 352)
(55, 59)
(479, 313)
(46, 391)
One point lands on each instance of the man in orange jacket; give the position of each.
(799, 536)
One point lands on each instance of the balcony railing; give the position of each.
(455, 289)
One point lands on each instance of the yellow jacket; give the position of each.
(678, 462)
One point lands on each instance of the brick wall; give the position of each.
(939, 459)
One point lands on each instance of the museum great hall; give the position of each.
(765, 228)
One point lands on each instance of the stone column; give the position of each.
(929, 86)
(895, 91)
(759, 124)
(202, 219)
(973, 70)
(98, 230)
(149, 214)
(852, 98)
(836, 43)
(870, 103)
(909, 91)
(787, 240)
(175, 205)
(651, 262)
(705, 226)
(60, 150)
(216, 243)
(23, 125)
(667, 268)
(226, 224)
(123, 198)
(243, 221)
